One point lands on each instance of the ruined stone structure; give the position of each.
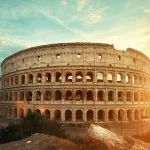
(76, 83)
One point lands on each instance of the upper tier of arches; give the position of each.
(78, 76)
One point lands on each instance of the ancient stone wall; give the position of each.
(77, 82)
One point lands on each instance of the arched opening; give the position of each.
(28, 111)
(10, 96)
(23, 79)
(110, 78)
(6, 96)
(21, 97)
(110, 96)
(128, 79)
(7, 81)
(79, 77)
(111, 115)
(136, 114)
(15, 96)
(128, 96)
(100, 115)
(135, 96)
(47, 95)
(29, 96)
(39, 78)
(58, 77)
(10, 112)
(16, 80)
(141, 96)
(79, 95)
(57, 114)
(47, 77)
(30, 79)
(90, 115)
(69, 95)
(38, 95)
(11, 81)
(90, 96)
(79, 115)
(100, 77)
(119, 78)
(89, 77)
(100, 95)
(120, 96)
(57, 95)
(68, 115)
(129, 115)
(21, 113)
(15, 113)
(68, 77)
(37, 111)
(143, 114)
(134, 79)
(121, 115)
(47, 114)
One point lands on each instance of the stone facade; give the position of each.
(76, 83)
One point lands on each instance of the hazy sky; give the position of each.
(26, 23)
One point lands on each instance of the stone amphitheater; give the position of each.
(77, 83)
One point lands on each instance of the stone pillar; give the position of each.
(124, 78)
(132, 95)
(96, 92)
(114, 78)
(116, 115)
(95, 77)
(115, 95)
(73, 116)
(95, 115)
(84, 95)
(63, 74)
(139, 114)
(105, 77)
(33, 95)
(26, 78)
(106, 116)
(106, 95)
(73, 77)
(34, 78)
(84, 77)
(84, 115)
(53, 95)
(133, 118)
(53, 77)
(43, 77)
(63, 115)
(125, 115)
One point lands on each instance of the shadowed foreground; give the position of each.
(97, 138)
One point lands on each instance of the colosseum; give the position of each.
(77, 83)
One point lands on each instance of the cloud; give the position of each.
(147, 10)
(64, 2)
(61, 22)
(128, 4)
(81, 4)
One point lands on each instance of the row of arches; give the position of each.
(79, 76)
(80, 115)
(89, 95)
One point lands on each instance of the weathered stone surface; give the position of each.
(99, 138)
(40, 142)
